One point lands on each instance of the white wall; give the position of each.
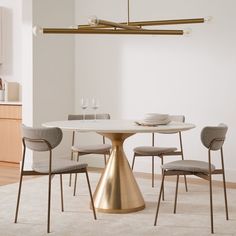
(133, 75)
(11, 67)
(45, 66)
(27, 63)
(53, 66)
(17, 49)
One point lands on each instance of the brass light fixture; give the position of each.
(99, 26)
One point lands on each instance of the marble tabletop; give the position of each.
(117, 126)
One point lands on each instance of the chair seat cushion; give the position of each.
(153, 151)
(92, 149)
(58, 166)
(189, 165)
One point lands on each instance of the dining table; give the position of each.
(117, 190)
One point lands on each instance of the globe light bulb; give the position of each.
(93, 21)
(187, 32)
(208, 19)
(37, 30)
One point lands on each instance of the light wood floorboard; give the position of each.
(10, 173)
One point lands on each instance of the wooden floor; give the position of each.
(10, 173)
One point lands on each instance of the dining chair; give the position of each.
(81, 150)
(45, 140)
(212, 138)
(161, 152)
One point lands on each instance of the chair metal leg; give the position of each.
(70, 178)
(133, 161)
(75, 184)
(176, 193)
(159, 198)
(91, 196)
(153, 171)
(211, 205)
(62, 202)
(163, 197)
(105, 159)
(72, 157)
(182, 156)
(185, 182)
(224, 185)
(76, 176)
(225, 195)
(185, 178)
(18, 197)
(49, 202)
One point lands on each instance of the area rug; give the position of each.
(192, 217)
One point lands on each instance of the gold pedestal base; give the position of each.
(117, 190)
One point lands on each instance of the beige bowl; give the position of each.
(152, 117)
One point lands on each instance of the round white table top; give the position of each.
(117, 126)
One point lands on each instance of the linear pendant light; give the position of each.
(99, 26)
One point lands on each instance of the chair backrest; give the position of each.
(32, 137)
(89, 117)
(213, 137)
(177, 118)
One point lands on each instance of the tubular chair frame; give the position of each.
(206, 176)
(50, 175)
(78, 157)
(85, 153)
(161, 156)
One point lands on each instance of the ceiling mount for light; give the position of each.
(99, 26)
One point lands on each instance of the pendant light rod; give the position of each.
(151, 23)
(99, 26)
(94, 22)
(110, 31)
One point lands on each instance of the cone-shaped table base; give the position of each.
(117, 190)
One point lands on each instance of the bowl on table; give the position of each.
(154, 119)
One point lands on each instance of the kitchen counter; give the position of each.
(10, 103)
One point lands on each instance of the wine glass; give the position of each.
(95, 106)
(84, 105)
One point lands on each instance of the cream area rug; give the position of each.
(192, 217)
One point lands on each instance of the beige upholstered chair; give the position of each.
(42, 140)
(161, 152)
(213, 139)
(79, 150)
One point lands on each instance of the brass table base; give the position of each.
(117, 190)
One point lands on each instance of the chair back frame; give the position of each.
(206, 176)
(50, 175)
(24, 139)
(101, 116)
